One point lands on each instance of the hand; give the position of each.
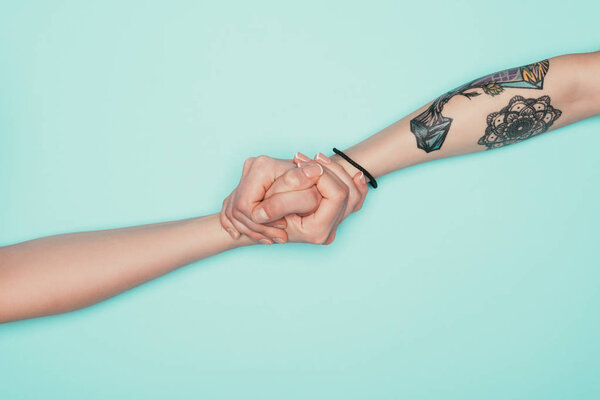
(357, 184)
(340, 193)
(291, 193)
(297, 195)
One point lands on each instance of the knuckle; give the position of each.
(254, 236)
(330, 239)
(248, 161)
(245, 231)
(353, 195)
(233, 201)
(313, 241)
(223, 221)
(341, 194)
(315, 196)
(237, 214)
(244, 208)
(353, 199)
(291, 179)
(320, 238)
(346, 190)
(262, 159)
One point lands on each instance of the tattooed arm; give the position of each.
(490, 112)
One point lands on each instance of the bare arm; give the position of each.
(65, 272)
(62, 273)
(493, 111)
(487, 113)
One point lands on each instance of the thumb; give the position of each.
(282, 204)
(303, 177)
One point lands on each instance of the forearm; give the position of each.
(65, 272)
(473, 117)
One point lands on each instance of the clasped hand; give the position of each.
(300, 200)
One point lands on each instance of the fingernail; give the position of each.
(362, 178)
(262, 215)
(313, 171)
(323, 158)
(265, 241)
(301, 156)
(280, 241)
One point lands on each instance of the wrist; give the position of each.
(349, 168)
(218, 234)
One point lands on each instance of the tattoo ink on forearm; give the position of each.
(431, 127)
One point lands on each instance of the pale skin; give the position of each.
(62, 273)
(303, 200)
(572, 82)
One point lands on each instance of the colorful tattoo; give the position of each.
(521, 119)
(431, 127)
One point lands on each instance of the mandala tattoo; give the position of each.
(431, 127)
(521, 119)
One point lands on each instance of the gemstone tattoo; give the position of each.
(521, 119)
(431, 127)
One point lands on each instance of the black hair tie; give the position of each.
(372, 180)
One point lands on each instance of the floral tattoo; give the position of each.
(431, 127)
(521, 119)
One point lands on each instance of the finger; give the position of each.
(361, 183)
(332, 205)
(334, 227)
(301, 157)
(280, 223)
(263, 172)
(257, 231)
(239, 227)
(281, 204)
(354, 195)
(247, 165)
(226, 222)
(242, 227)
(225, 216)
(296, 179)
(331, 238)
(244, 230)
(262, 232)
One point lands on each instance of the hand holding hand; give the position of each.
(242, 208)
(277, 201)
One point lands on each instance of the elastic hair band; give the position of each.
(372, 180)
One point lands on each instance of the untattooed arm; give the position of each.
(65, 272)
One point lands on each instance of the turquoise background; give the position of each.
(468, 278)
